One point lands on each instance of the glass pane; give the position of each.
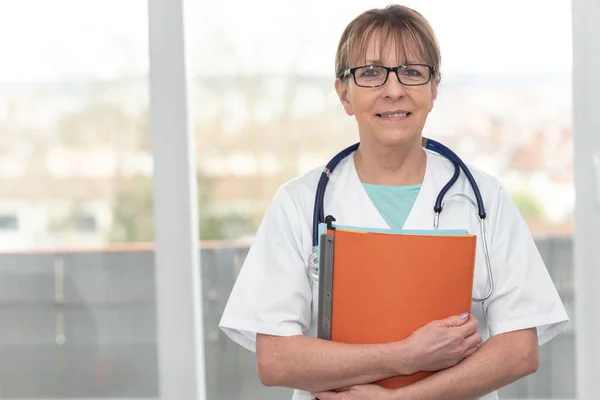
(267, 112)
(77, 298)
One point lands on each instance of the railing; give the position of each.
(82, 324)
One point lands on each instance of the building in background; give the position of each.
(76, 167)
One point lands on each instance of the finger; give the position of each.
(456, 320)
(329, 395)
(470, 327)
(474, 340)
(343, 389)
(470, 352)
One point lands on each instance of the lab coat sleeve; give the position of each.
(272, 293)
(524, 295)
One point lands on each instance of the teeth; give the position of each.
(394, 115)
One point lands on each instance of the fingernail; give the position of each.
(464, 316)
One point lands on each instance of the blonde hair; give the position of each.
(408, 29)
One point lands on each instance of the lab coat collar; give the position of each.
(354, 207)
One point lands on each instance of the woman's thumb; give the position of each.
(457, 320)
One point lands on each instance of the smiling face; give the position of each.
(393, 114)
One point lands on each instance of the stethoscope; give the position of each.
(319, 216)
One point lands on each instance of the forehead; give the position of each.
(387, 48)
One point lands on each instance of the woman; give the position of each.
(391, 182)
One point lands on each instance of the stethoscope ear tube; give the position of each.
(437, 208)
(318, 212)
(449, 154)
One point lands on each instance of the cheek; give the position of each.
(423, 102)
(365, 104)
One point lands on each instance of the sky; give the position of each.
(45, 40)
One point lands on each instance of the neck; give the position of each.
(391, 166)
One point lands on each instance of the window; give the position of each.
(269, 113)
(74, 145)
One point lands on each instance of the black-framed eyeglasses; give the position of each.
(371, 76)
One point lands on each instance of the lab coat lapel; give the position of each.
(352, 203)
(421, 214)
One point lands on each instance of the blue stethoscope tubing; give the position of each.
(319, 215)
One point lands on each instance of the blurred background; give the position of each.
(77, 283)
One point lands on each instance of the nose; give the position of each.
(393, 88)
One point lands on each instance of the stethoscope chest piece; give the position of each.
(313, 264)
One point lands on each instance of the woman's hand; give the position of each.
(443, 344)
(359, 392)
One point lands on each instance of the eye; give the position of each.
(369, 72)
(412, 72)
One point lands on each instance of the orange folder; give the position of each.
(386, 285)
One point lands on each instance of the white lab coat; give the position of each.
(274, 295)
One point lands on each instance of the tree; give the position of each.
(132, 212)
(528, 205)
(134, 207)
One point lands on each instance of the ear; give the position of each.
(342, 90)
